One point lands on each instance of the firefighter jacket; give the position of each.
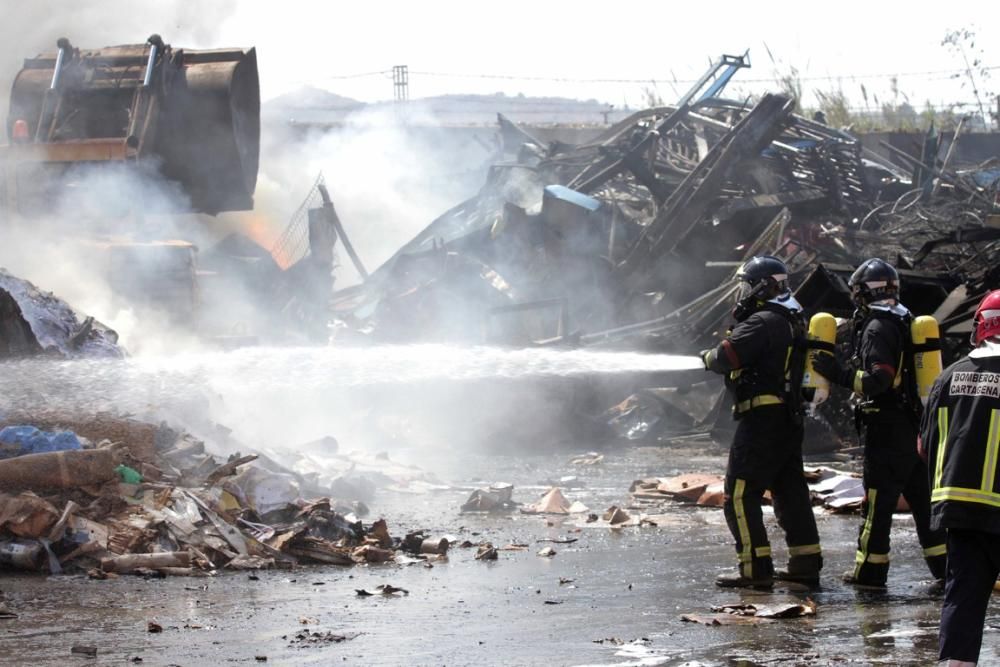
(756, 354)
(960, 431)
(880, 352)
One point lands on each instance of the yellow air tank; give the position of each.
(926, 353)
(822, 338)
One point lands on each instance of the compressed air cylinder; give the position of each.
(822, 338)
(926, 353)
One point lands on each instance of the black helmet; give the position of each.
(761, 279)
(874, 280)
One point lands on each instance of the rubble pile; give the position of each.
(116, 496)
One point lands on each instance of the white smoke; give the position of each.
(388, 176)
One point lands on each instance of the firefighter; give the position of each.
(882, 376)
(764, 366)
(961, 435)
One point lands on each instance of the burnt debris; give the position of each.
(632, 239)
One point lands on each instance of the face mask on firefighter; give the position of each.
(746, 290)
(748, 298)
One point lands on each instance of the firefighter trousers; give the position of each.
(973, 566)
(767, 454)
(893, 468)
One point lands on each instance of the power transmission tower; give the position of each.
(401, 83)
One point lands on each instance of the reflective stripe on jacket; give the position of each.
(960, 431)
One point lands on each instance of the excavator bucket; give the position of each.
(189, 117)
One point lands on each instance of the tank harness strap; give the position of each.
(931, 345)
(821, 345)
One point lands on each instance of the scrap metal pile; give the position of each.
(632, 239)
(113, 495)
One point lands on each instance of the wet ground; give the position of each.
(628, 590)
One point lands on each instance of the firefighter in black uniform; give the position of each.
(881, 373)
(763, 366)
(961, 435)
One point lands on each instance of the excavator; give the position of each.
(180, 121)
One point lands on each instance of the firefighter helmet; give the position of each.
(986, 323)
(761, 279)
(875, 280)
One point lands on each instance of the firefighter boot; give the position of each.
(938, 566)
(760, 575)
(873, 584)
(802, 570)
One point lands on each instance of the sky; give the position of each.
(551, 48)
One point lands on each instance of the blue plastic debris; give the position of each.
(21, 440)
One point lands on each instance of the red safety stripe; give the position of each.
(885, 367)
(731, 355)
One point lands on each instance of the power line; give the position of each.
(566, 79)
(358, 75)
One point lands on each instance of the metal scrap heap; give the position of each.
(632, 238)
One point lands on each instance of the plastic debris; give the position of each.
(129, 475)
(21, 440)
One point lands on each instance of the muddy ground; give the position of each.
(628, 590)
